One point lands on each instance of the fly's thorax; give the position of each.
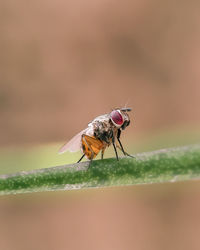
(103, 130)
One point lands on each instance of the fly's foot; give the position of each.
(126, 154)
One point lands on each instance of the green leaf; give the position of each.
(165, 165)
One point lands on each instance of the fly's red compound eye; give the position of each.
(116, 117)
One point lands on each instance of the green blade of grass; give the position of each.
(166, 165)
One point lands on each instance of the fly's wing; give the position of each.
(73, 145)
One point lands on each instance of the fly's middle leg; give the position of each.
(102, 153)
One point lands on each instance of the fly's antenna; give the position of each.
(123, 106)
(125, 109)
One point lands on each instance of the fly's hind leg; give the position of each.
(121, 147)
(81, 158)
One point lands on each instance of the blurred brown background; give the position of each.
(160, 216)
(64, 62)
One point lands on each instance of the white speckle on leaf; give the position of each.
(71, 186)
(174, 179)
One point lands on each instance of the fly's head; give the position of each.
(120, 117)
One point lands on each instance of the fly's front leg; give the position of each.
(102, 153)
(121, 147)
(113, 142)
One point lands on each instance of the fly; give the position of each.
(103, 131)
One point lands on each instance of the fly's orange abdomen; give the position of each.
(91, 146)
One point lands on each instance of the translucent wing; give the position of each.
(73, 145)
